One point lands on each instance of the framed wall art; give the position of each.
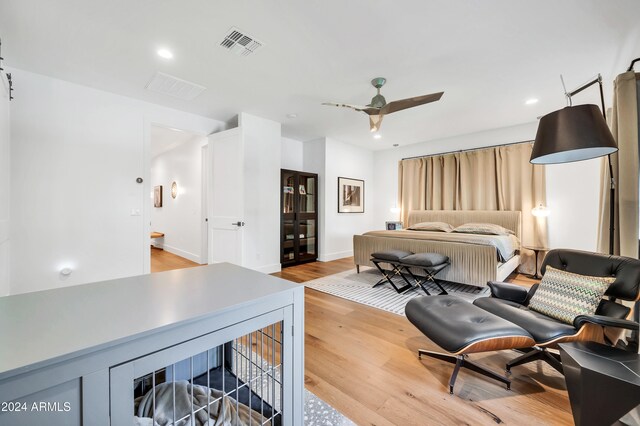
(350, 195)
(157, 196)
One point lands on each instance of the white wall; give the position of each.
(573, 196)
(262, 159)
(291, 154)
(572, 189)
(4, 186)
(180, 219)
(75, 155)
(332, 159)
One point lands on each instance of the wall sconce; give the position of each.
(174, 190)
(540, 211)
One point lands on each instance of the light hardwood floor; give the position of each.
(162, 260)
(363, 361)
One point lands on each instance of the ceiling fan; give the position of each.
(379, 107)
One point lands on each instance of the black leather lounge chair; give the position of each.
(504, 321)
(511, 301)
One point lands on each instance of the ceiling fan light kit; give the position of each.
(378, 107)
(374, 123)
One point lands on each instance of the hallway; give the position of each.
(162, 260)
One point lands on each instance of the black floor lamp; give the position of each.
(577, 133)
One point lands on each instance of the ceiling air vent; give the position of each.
(240, 43)
(173, 86)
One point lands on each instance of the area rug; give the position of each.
(316, 411)
(319, 413)
(359, 288)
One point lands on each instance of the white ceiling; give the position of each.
(487, 56)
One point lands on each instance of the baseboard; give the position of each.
(335, 256)
(268, 269)
(192, 257)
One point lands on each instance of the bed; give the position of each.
(474, 259)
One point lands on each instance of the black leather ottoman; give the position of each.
(461, 328)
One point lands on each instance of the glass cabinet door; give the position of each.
(288, 241)
(307, 193)
(307, 235)
(288, 192)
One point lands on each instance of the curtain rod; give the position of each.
(466, 150)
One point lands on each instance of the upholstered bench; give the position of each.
(461, 328)
(391, 257)
(402, 261)
(430, 264)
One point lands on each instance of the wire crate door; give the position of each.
(241, 372)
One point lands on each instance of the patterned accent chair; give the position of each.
(511, 302)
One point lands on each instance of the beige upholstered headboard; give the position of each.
(508, 219)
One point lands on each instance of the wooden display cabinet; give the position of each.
(299, 217)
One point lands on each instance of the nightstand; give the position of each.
(536, 250)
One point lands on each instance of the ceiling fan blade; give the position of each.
(356, 107)
(410, 102)
(375, 120)
(366, 109)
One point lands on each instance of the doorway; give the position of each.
(178, 199)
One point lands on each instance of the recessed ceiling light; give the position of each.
(531, 101)
(377, 136)
(292, 115)
(165, 53)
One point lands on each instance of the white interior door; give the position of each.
(204, 210)
(226, 200)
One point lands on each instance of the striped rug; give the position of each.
(359, 288)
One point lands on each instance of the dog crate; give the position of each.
(238, 380)
(214, 345)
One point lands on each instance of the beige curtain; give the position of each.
(499, 178)
(624, 126)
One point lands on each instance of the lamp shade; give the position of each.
(573, 133)
(540, 211)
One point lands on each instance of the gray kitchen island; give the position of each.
(88, 354)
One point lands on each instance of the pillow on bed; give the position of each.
(483, 228)
(432, 226)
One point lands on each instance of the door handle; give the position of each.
(238, 223)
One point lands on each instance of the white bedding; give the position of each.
(506, 245)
